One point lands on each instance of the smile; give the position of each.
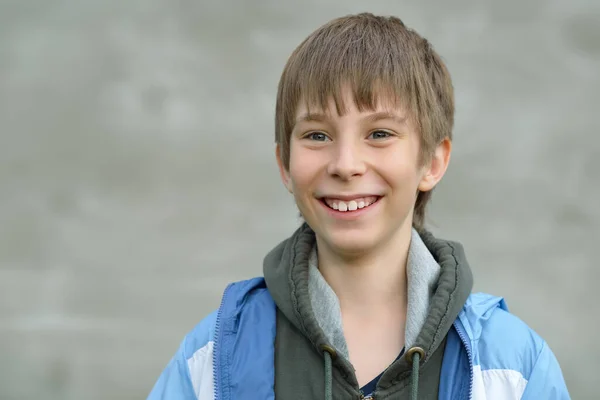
(350, 205)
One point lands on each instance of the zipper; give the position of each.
(216, 348)
(372, 395)
(463, 338)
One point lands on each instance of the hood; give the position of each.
(286, 272)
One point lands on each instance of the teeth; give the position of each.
(351, 205)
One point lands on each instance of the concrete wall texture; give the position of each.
(138, 177)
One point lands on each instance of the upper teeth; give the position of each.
(351, 205)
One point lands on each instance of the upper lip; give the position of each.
(348, 197)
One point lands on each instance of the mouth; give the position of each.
(350, 205)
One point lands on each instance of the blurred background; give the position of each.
(138, 178)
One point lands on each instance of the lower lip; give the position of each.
(349, 215)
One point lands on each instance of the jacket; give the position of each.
(489, 354)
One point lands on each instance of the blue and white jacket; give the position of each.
(490, 354)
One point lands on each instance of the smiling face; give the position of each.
(355, 176)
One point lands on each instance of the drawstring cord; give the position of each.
(415, 377)
(414, 355)
(329, 353)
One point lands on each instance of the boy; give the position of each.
(361, 301)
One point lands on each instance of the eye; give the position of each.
(380, 135)
(317, 136)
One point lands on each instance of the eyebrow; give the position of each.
(378, 116)
(374, 117)
(307, 117)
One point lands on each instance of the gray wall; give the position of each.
(137, 174)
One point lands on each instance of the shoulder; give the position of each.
(200, 336)
(238, 296)
(189, 374)
(509, 358)
(500, 339)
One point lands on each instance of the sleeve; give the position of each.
(174, 383)
(546, 380)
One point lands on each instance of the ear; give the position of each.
(285, 175)
(436, 168)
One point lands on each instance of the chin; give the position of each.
(351, 243)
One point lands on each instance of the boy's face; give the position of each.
(355, 177)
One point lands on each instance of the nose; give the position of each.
(347, 161)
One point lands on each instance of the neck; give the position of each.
(376, 280)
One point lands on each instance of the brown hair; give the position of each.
(376, 57)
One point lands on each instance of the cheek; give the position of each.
(304, 166)
(400, 169)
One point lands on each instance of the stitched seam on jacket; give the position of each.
(451, 297)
